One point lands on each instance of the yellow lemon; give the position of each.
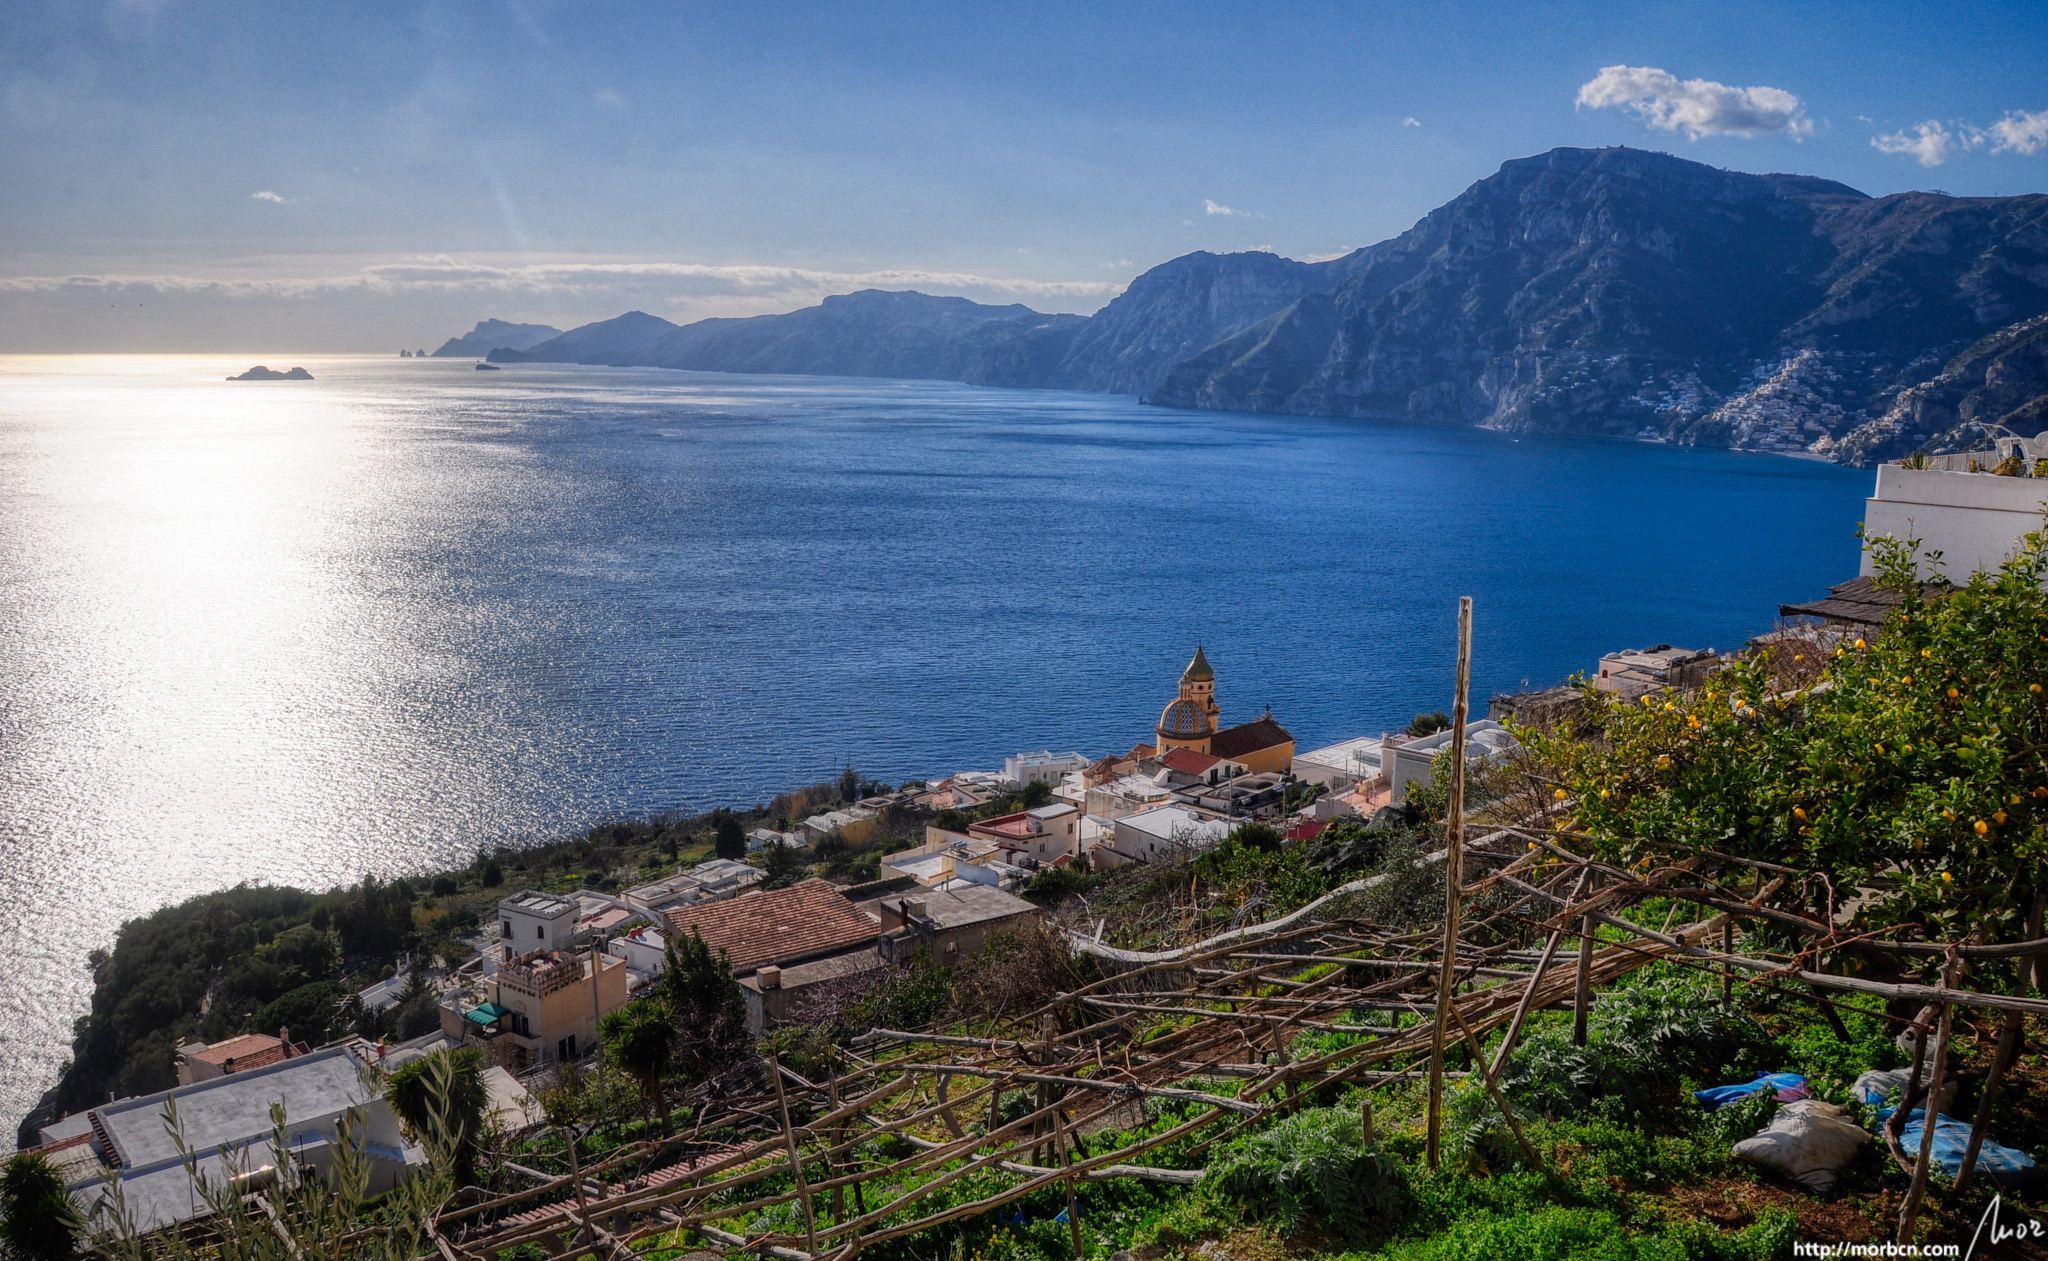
(1559, 794)
(1947, 878)
(1799, 813)
(1859, 643)
(1998, 817)
(1982, 828)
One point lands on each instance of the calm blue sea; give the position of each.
(296, 632)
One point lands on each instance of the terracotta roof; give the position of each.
(242, 1050)
(1307, 829)
(1016, 825)
(1248, 737)
(1140, 751)
(804, 921)
(1189, 761)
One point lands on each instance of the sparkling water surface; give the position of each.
(296, 632)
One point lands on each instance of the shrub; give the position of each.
(1313, 1168)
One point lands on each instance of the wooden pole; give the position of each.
(2001, 1059)
(1930, 1112)
(1067, 1162)
(1582, 989)
(1454, 883)
(796, 1164)
(1728, 969)
(1528, 999)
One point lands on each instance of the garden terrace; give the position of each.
(1139, 1073)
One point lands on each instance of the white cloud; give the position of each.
(1411, 121)
(2021, 132)
(610, 98)
(273, 198)
(1219, 210)
(1931, 143)
(630, 281)
(1695, 107)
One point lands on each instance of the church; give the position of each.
(1190, 721)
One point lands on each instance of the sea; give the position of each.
(297, 632)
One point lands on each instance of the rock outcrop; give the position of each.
(261, 373)
(490, 335)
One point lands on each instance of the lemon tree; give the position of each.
(1909, 770)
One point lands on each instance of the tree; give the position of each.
(1916, 770)
(441, 1096)
(783, 864)
(1428, 724)
(1036, 793)
(38, 1222)
(849, 784)
(640, 1040)
(729, 839)
(709, 1011)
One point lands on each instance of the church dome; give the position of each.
(1183, 720)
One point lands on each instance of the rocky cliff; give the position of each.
(490, 335)
(1626, 292)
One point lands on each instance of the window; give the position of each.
(541, 931)
(505, 928)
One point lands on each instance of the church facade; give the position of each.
(1193, 720)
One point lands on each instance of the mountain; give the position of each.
(489, 335)
(1625, 292)
(1998, 381)
(1168, 314)
(623, 341)
(872, 333)
(1608, 291)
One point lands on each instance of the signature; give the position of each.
(2028, 1228)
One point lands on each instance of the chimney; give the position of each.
(284, 1035)
(770, 977)
(912, 907)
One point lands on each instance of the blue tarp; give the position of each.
(2002, 1165)
(1788, 1086)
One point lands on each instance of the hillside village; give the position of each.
(1096, 951)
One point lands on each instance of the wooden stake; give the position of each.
(1582, 990)
(2001, 1059)
(1930, 1112)
(1528, 999)
(1067, 1161)
(1454, 882)
(1728, 969)
(796, 1164)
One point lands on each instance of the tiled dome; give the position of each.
(1183, 720)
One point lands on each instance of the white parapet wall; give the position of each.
(1974, 520)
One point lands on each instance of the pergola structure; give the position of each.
(1214, 1029)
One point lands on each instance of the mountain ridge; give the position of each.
(1615, 291)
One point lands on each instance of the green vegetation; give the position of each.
(37, 1220)
(441, 1098)
(641, 1040)
(1914, 762)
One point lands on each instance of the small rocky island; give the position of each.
(261, 373)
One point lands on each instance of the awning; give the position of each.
(485, 1016)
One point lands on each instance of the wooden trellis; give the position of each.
(1544, 927)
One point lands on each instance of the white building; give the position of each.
(1974, 520)
(536, 921)
(1042, 766)
(1411, 763)
(1339, 766)
(1127, 794)
(1162, 834)
(226, 1130)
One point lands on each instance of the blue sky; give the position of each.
(219, 175)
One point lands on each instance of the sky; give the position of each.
(182, 175)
